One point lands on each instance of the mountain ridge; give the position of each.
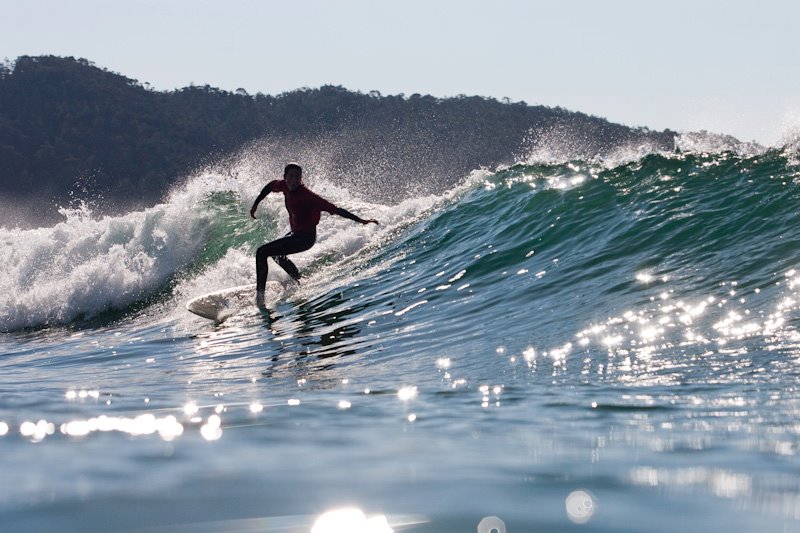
(71, 130)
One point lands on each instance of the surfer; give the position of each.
(304, 209)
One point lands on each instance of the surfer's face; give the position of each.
(292, 178)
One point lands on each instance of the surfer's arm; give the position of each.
(347, 214)
(263, 194)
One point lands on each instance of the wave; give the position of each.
(82, 267)
(667, 214)
(199, 240)
(534, 253)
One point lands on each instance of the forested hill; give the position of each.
(69, 127)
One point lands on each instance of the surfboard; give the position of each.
(220, 305)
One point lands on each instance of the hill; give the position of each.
(69, 128)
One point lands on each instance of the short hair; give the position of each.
(291, 166)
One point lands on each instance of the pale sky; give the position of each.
(725, 66)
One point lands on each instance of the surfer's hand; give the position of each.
(370, 221)
(253, 212)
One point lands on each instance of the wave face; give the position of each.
(695, 247)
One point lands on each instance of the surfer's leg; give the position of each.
(262, 268)
(290, 268)
(291, 244)
(262, 254)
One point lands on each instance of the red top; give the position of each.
(303, 205)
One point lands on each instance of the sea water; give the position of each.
(559, 345)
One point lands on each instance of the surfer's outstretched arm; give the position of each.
(347, 214)
(263, 194)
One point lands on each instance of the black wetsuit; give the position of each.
(278, 249)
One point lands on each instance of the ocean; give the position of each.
(557, 345)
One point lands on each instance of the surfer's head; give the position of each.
(292, 174)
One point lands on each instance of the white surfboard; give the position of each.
(220, 305)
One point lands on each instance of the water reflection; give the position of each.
(722, 483)
(327, 327)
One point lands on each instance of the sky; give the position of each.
(723, 66)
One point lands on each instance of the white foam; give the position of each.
(85, 266)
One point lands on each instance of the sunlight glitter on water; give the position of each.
(407, 393)
(212, 429)
(167, 427)
(82, 394)
(674, 323)
(350, 520)
(722, 483)
(190, 409)
(38, 431)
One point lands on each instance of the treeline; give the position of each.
(66, 124)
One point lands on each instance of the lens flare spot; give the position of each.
(580, 506)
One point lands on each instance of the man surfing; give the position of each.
(304, 209)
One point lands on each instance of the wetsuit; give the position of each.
(304, 209)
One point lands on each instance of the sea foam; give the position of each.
(83, 266)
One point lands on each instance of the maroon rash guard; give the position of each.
(304, 206)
